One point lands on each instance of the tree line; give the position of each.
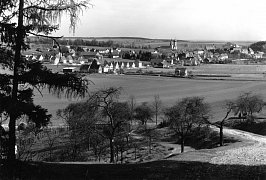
(93, 42)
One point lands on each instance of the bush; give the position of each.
(203, 138)
(163, 124)
(251, 126)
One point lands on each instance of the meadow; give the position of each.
(170, 90)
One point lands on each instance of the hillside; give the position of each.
(259, 46)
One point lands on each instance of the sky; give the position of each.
(243, 20)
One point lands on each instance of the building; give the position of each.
(182, 72)
(173, 44)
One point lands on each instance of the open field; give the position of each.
(215, 92)
(154, 43)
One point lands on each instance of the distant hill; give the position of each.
(259, 46)
(122, 38)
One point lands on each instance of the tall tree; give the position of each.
(132, 104)
(185, 114)
(157, 105)
(38, 18)
(116, 114)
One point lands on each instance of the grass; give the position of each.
(215, 92)
(151, 170)
(251, 126)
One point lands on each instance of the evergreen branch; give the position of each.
(56, 7)
(46, 36)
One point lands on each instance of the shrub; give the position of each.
(163, 124)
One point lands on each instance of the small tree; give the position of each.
(229, 107)
(132, 105)
(185, 114)
(99, 145)
(143, 113)
(51, 140)
(247, 104)
(150, 133)
(157, 105)
(81, 118)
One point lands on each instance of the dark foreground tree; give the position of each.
(38, 18)
(186, 114)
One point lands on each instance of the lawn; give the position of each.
(215, 92)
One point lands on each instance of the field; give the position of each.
(152, 43)
(215, 92)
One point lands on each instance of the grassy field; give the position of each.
(152, 43)
(215, 92)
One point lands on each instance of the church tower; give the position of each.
(173, 44)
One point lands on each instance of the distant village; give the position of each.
(117, 60)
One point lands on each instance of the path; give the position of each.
(254, 153)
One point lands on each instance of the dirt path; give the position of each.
(254, 153)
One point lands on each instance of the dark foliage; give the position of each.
(151, 170)
(259, 46)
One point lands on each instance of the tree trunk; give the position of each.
(150, 145)
(121, 153)
(12, 121)
(111, 151)
(135, 152)
(156, 117)
(182, 144)
(221, 135)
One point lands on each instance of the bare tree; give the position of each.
(157, 105)
(229, 107)
(247, 104)
(185, 114)
(111, 116)
(81, 118)
(143, 113)
(132, 105)
(51, 139)
(150, 133)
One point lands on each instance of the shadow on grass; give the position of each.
(165, 169)
(257, 127)
(201, 138)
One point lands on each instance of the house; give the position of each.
(250, 51)
(244, 51)
(64, 60)
(69, 69)
(156, 62)
(191, 61)
(165, 64)
(210, 47)
(223, 57)
(181, 72)
(84, 68)
(114, 54)
(90, 55)
(95, 67)
(258, 55)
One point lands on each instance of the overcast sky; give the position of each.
(180, 19)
